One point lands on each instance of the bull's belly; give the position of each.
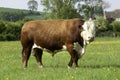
(51, 49)
(54, 49)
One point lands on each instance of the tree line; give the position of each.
(67, 9)
(16, 15)
(10, 31)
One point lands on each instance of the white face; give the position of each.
(88, 32)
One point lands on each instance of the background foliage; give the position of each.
(11, 30)
(60, 9)
(107, 29)
(67, 9)
(10, 27)
(13, 15)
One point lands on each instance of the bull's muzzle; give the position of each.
(91, 39)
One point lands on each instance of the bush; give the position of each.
(2, 37)
(103, 24)
(7, 37)
(107, 29)
(10, 37)
(116, 26)
(2, 27)
(11, 30)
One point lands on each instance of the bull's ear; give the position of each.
(81, 28)
(81, 22)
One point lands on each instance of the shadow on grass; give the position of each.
(100, 66)
(85, 66)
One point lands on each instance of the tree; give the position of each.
(90, 8)
(32, 5)
(60, 9)
(105, 5)
(73, 8)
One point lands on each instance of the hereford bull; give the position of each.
(54, 35)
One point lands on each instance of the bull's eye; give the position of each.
(82, 29)
(88, 27)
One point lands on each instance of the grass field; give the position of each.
(100, 62)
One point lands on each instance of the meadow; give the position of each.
(100, 62)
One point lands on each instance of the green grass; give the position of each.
(100, 62)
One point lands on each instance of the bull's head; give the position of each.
(88, 32)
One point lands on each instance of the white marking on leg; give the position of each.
(69, 67)
(79, 49)
(83, 51)
(64, 47)
(41, 66)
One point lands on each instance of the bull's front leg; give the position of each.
(79, 49)
(74, 55)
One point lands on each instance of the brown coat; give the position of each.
(50, 34)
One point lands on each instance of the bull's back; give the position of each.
(47, 30)
(44, 27)
(42, 30)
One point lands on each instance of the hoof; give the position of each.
(69, 67)
(41, 66)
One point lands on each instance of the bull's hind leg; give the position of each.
(25, 55)
(74, 56)
(38, 55)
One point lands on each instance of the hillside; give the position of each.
(2, 9)
(9, 14)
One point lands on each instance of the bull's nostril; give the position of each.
(92, 39)
(89, 37)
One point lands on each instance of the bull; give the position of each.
(53, 35)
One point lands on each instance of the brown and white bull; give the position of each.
(52, 35)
